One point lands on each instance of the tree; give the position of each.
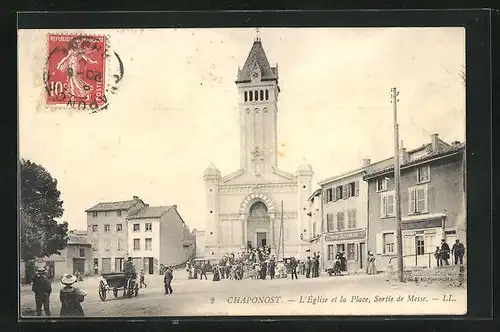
(41, 234)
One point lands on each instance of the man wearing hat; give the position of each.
(445, 252)
(42, 288)
(71, 297)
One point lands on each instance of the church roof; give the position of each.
(257, 55)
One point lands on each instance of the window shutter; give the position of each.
(356, 188)
(383, 205)
(353, 218)
(426, 199)
(324, 196)
(334, 194)
(379, 243)
(411, 195)
(344, 191)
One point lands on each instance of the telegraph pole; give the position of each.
(282, 232)
(397, 196)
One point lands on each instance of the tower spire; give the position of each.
(257, 34)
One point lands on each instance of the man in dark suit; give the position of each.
(445, 252)
(458, 251)
(42, 288)
(167, 280)
(308, 267)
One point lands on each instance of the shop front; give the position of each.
(421, 236)
(352, 243)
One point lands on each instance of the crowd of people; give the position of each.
(254, 263)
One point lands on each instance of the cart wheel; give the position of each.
(115, 292)
(102, 291)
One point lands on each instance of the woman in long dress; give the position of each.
(371, 269)
(71, 297)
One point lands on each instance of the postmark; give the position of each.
(81, 72)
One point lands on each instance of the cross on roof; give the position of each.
(257, 32)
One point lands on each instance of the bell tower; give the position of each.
(258, 91)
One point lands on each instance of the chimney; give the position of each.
(434, 142)
(135, 198)
(403, 154)
(366, 162)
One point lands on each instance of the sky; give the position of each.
(176, 109)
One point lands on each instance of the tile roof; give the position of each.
(257, 55)
(151, 212)
(112, 206)
(341, 175)
(387, 164)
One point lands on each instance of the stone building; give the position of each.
(244, 207)
(433, 203)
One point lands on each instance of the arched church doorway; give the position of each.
(258, 225)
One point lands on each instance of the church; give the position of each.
(258, 204)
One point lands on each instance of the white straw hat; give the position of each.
(68, 279)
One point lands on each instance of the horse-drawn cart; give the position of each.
(118, 282)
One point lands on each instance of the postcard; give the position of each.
(242, 171)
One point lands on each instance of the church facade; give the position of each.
(258, 204)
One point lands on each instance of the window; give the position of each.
(351, 251)
(105, 213)
(387, 204)
(250, 93)
(331, 255)
(82, 252)
(382, 184)
(119, 246)
(351, 189)
(419, 241)
(267, 94)
(423, 174)
(119, 213)
(107, 244)
(136, 228)
(261, 94)
(119, 227)
(106, 228)
(148, 244)
(246, 96)
(329, 222)
(329, 196)
(95, 228)
(340, 248)
(388, 239)
(340, 221)
(149, 227)
(351, 218)
(258, 210)
(418, 199)
(94, 214)
(137, 244)
(338, 193)
(94, 245)
(256, 94)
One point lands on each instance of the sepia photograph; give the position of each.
(242, 172)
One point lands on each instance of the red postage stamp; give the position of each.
(76, 71)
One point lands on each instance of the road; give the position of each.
(344, 295)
